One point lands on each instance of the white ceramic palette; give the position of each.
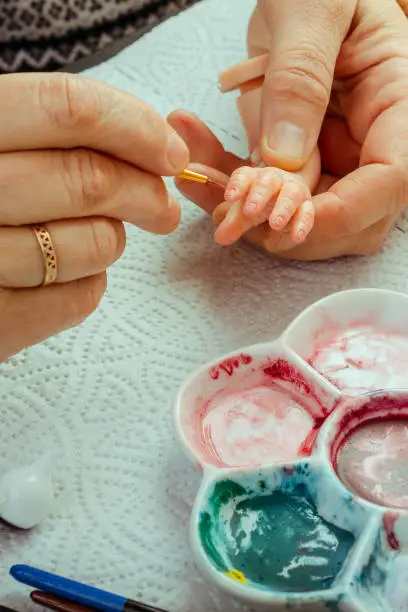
(303, 444)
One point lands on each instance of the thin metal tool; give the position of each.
(196, 177)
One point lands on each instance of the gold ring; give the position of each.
(49, 255)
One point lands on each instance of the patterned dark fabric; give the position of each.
(39, 35)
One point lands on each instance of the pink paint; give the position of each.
(283, 371)
(269, 413)
(228, 366)
(308, 445)
(254, 426)
(361, 358)
(371, 458)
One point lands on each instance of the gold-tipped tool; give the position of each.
(196, 177)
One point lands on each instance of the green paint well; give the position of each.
(277, 540)
(224, 493)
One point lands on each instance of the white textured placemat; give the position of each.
(101, 394)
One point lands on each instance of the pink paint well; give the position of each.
(372, 461)
(254, 426)
(271, 414)
(361, 358)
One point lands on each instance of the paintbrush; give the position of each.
(77, 592)
(196, 177)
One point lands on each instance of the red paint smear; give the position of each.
(229, 365)
(283, 370)
(307, 447)
(357, 364)
(389, 520)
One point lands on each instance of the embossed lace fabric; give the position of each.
(102, 394)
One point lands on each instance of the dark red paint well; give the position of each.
(376, 408)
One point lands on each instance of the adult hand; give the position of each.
(303, 41)
(341, 70)
(78, 159)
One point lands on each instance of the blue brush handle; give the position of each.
(68, 589)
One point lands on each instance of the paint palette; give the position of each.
(303, 443)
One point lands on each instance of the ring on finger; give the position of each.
(48, 252)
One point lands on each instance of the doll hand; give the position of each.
(256, 195)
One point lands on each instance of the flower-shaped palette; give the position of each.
(303, 443)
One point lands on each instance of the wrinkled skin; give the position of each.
(363, 132)
(79, 159)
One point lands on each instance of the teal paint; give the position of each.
(208, 543)
(224, 492)
(333, 606)
(277, 540)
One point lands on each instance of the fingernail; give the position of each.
(250, 207)
(288, 140)
(177, 151)
(277, 222)
(231, 193)
(300, 236)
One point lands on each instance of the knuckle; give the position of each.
(90, 178)
(69, 102)
(106, 243)
(335, 10)
(305, 76)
